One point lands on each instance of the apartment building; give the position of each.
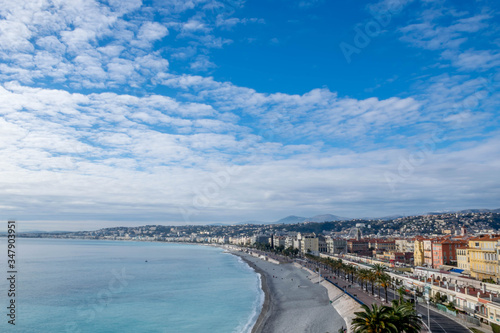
(444, 252)
(483, 257)
(463, 259)
(428, 255)
(309, 243)
(357, 246)
(383, 245)
(418, 251)
(335, 245)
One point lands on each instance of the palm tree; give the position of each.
(385, 282)
(363, 276)
(351, 270)
(405, 317)
(401, 317)
(344, 269)
(374, 320)
(337, 265)
(379, 270)
(372, 278)
(401, 292)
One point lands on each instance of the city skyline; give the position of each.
(201, 112)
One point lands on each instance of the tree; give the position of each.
(350, 269)
(401, 292)
(379, 270)
(400, 317)
(363, 277)
(405, 317)
(385, 282)
(372, 278)
(374, 320)
(451, 306)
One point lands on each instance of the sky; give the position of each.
(130, 112)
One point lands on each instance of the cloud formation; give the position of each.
(96, 125)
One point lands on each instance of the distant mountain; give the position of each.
(318, 219)
(326, 218)
(254, 222)
(290, 220)
(390, 217)
(43, 232)
(467, 211)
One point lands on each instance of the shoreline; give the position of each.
(266, 306)
(293, 302)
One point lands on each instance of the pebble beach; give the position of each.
(293, 302)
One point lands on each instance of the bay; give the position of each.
(118, 286)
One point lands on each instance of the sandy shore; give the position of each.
(293, 303)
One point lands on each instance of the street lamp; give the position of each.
(427, 298)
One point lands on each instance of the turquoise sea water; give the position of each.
(107, 286)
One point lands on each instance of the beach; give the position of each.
(293, 303)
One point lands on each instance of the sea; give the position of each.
(122, 286)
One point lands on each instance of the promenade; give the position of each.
(439, 323)
(294, 302)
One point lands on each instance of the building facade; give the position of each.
(483, 257)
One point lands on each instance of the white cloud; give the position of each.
(452, 37)
(125, 155)
(202, 64)
(475, 60)
(15, 36)
(149, 32)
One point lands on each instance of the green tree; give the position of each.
(405, 317)
(400, 317)
(374, 320)
(372, 278)
(385, 282)
(363, 277)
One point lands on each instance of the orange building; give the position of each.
(444, 252)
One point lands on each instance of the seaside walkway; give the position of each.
(439, 323)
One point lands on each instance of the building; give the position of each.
(463, 259)
(308, 243)
(396, 257)
(428, 252)
(279, 241)
(418, 251)
(445, 252)
(404, 245)
(322, 247)
(261, 239)
(483, 257)
(382, 245)
(289, 241)
(357, 246)
(335, 245)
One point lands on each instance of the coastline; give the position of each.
(293, 303)
(266, 307)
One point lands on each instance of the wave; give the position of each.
(256, 308)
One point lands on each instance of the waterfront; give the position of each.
(110, 286)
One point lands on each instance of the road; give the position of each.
(439, 323)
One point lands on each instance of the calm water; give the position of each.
(106, 286)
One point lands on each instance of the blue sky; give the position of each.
(186, 112)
